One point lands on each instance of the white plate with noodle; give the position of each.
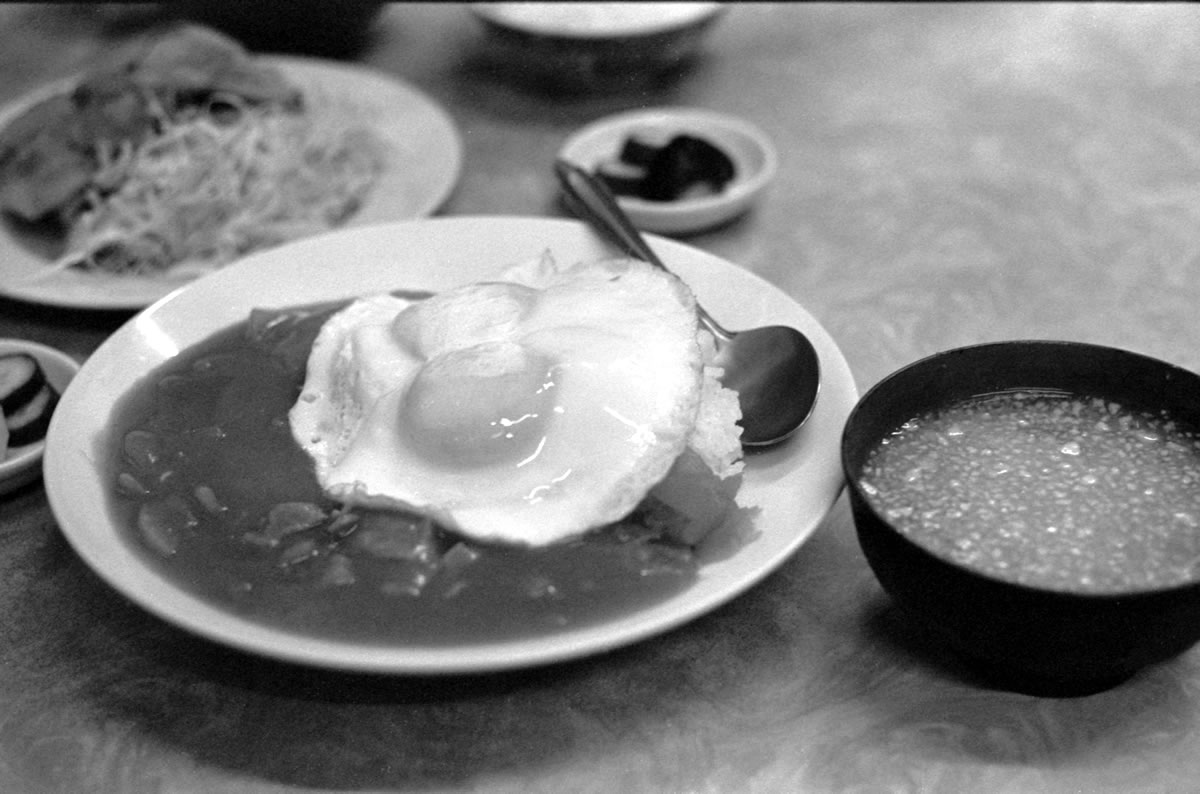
(420, 160)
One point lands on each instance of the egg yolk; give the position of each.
(480, 406)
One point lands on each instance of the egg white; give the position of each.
(523, 411)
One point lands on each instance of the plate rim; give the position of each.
(65, 461)
(433, 199)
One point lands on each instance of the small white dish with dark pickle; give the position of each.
(1035, 505)
(676, 170)
(32, 378)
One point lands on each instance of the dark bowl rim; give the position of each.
(852, 477)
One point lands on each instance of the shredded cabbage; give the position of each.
(204, 192)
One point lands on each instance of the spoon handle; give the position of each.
(591, 200)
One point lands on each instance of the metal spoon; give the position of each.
(774, 369)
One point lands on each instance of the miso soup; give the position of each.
(1047, 489)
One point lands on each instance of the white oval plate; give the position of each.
(23, 464)
(794, 484)
(752, 152)
(423, 166)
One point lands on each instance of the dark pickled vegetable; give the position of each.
(640, 150)
(21, 377)
(27, 399)
(31, 421)
(621, 178)
(687, 166)
(683, 164)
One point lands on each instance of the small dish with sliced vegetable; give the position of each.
(676, 170)
(32, 378)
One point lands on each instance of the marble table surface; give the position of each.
(949, 174)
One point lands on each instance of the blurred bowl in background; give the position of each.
(754, 159)
(971, 562)
(594, 46)
(325, 28)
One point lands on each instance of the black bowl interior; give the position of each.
(1033, 640)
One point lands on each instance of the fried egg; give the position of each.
(525, 410)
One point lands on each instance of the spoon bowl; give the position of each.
(774, 369)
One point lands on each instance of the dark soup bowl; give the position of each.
(1036, 505)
